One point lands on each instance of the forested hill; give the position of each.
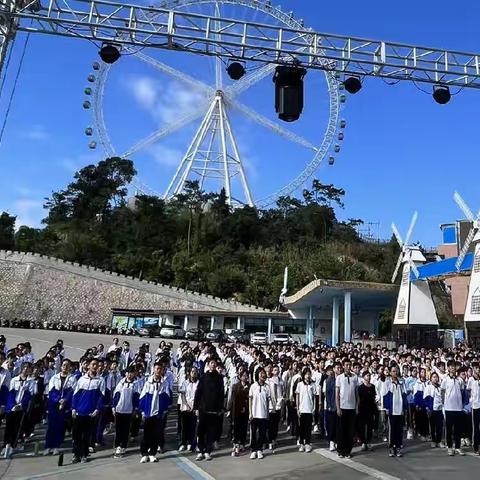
(197, 241)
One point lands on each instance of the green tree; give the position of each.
(7, 231)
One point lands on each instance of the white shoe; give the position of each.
(270, 446)
(301, 448)
(308, 448)
(189, 448)
(316, 429)
(409, 435)
(298, 442)
(56, 451)
(332, 446)
(199, 457)
(208, 456)
(182, 448)
(451, 452)
(47, 451)
(385, 439)
(153, 458)
(253, 455)
(468, 443)
(460, 452)
(259, 454)
(144, 459)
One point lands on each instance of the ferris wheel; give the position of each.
(214, 157)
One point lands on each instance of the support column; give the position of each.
(269, 329)
(212, 323)
(185, 323)
(347, 325)
(335, 320)
(309, 339)
(239, 323)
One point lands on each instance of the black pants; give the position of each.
(13, 427)
(122, 429)
(476, 428)
(218, 434)
(306, 428)
(453, 422)
(240, 429)
(163, 424)
(421, 422)
(395, 431)
(135, 424)
(273, 421)
(83, 429)
(365, 421)
(189, 424)
(152, 430)
(467, 425)
(258, 427)
(207, 431)
(292, 419)
(436, 426)
(331, 425)
(345, 431)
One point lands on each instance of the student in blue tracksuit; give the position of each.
(154, 402)
(20, 393)
(59, 406)
(434, 405)
(124, 403)
(5, 379)
(87, 403)
(421, 419)
(395, 404)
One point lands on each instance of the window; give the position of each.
(402, 309)
(476, 262)
(475, 308)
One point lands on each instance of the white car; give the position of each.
(282, 338)
(172, 331)
(259, 338)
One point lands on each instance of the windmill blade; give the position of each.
(397, 235)
(465, 248)
(410, 229)
(397, 267)
(413, 267)
(463, 207)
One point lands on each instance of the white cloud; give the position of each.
(29, 212)
(166, 156)
(36, 133)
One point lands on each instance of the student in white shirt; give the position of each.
(259, 399)
(434, 406)
(473, 388)
(452, 393)
(306, 393)
(188, 423)
(346, 400)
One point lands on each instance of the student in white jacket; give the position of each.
(306, 392)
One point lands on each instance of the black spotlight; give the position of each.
(109, 53)
(289, 92)
(441, 94)
(236, 70)
(352, 84)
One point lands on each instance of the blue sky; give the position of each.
(402, 152)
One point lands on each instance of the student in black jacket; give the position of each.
(209, 406)
(367, 407)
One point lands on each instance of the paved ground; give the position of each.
(419, 463)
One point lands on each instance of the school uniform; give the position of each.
(60, 393)
(187, 390)
(347, 386)
(259, 396)
(88, 397)
(125, 401)
(239, 413)
(421, 419)
(453, 388)
(434, 405)
(330, 408)
(473, 386)
(276, 402)
(306, 407)
(395, 402)
(366, 412)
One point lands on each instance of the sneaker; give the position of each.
(391, 452)
(270, 446)
(451, 452)
(208, 456)
(308, 448)
(385, 439)
(76, 460)
(181, 448)
(399, 453)
(199, 457)
(298, 442)
(259, 454)
(369, 447)
(91, 450)
(56, 451)
(460, 452)
(47, 451)
(364, 447)
(422, 438)
(234, 453)
(477, 452)
(468, 443)
(332, 446)
(301, 448)
(341, 456)
(8, 451)
(153, 458)
(189, 448)
(409, 434)
(215, 445)
(316, 429)
(160, 450)
(144, 459)
(348, 456)
(84, 460)
(253, 455)
(118, 451)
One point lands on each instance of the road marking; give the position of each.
(191, 469)
(359, 467)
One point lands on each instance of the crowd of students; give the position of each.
(242, 392)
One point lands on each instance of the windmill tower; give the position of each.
(415, 316)
(472, 308)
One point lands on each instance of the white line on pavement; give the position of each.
(191, 468)
(359, 467)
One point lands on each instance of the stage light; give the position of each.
(289, 92)
(236, 70)
(441, 94)
(109, 53)
(352, 84)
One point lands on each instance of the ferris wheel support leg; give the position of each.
(7, 30)
(223, 141)
(238, 160)
(209, 152)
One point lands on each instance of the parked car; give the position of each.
(216, 336)
(238, 336)
(282, 338)
(172, 331)
(259, 338)
(195, 334)
(149, 331)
